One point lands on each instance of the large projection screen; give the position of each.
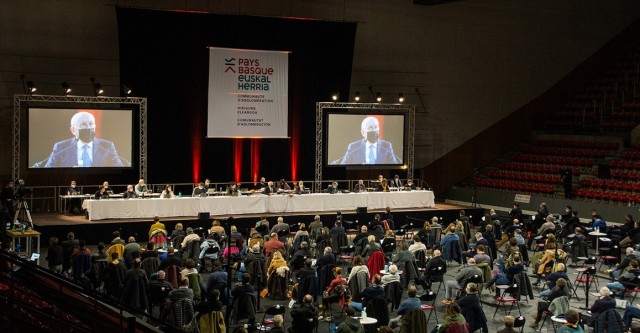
(248, 93)
(52, 142)
(350, 140)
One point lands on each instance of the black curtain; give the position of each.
(164, 57)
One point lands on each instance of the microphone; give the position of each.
(114, 156)
(422, 182)
(43, 163)
(396, 158)
(337, 161)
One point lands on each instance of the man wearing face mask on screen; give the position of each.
(84, 149)
(371, 149)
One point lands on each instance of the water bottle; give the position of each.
(364, 313)
(18, 247)
(164, 247)
(179, 194)
(22, 228)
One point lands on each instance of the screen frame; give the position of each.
(102, 109)
(21, 101)
(365, 112)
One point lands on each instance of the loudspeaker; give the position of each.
(361, 210)
(604, 171)
(204, 215)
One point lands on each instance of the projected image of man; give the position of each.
(370, 149)
(83, 149)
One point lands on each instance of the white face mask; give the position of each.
(73, 186)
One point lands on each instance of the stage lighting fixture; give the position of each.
(379, 97)
(97, 87)
(126, 89)
(334, 97)
(357, 97)
(66, 87)
(31, 87)
(400, 97)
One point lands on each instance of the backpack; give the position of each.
(212, 247)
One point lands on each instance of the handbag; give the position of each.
(264, 293)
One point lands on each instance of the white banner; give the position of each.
(248, 93)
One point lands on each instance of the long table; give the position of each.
(254, 204)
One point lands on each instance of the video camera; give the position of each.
(21, 191)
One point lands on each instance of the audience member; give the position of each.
(559, 290)
(408, 305)
(464, 275)
(369, 293)
(350, 323)
(55, 255)
(509, 321)
(452, 315)
(303, 316)
(573, 323)
(431, 272)
(113, 275)
(273, 244)
(391, 276)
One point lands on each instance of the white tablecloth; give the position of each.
(255, 204)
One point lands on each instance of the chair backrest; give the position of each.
(457, 328)
(389, 246)
(437, 273)
(519, 322)
(116, 248)
(150, 265)
(414, 322)
(277, 309)
(377, 308)
(429, 297)
(248, 308)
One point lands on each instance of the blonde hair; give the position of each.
(216, 223)
(371, 238)
(179, 226)
(277, 256)
(389, 233)
(233, 228)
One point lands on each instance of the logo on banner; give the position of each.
(250, 75)
(230, 63)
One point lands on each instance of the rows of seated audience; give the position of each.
(336, 274)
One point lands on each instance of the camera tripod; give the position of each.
(23, 214)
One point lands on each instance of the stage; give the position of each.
(56, 224)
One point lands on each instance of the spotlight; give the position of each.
(31, 87)
(66, 87)
(400, 97)
(334, 97)
(357, 97)
(126, 89)
(97, 87)
(379, 97)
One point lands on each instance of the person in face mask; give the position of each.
(75, 205)
(370, 149)
(83, 149)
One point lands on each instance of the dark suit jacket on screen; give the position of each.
(64, 154)
(356, 153)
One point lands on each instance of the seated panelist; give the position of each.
(232, 190)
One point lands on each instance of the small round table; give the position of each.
(383, 272)
(597, 234)
(556, 319)
(368, 321)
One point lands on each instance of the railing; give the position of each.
(44, 199)
(86, 310)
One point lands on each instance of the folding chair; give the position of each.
(430, 299)
(267, 318)
(519, 322)
(513, 298)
